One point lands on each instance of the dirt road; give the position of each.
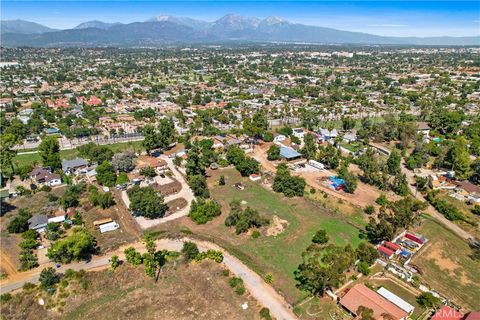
(261, 291)
(430, 210)
(185, 193)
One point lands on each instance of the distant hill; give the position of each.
(162, 30)
(96, 24)
(23, 27)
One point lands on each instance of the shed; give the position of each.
(392, 246)
(38, 222)
(111, 226)
(385, 251)
(289, 153)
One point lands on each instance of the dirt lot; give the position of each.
(37, 204)
(447, 267)
(364, 194)
(128, 231)
(195, 291)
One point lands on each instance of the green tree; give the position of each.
(393, 162)
(19, 223)
(400, 184)
(459, 158)
(190, 250)
(203, 210)
(198, 184)
(166, 133)
(150, 139)
(79, 245)
(366, 253)
(146, 202)
(273, 152)
(320, 237)
(309, 149)
(428, 300)
(287, 184)
(7, 142)
(49, 151)
(106, 174)
(115, 262)
(48, 278)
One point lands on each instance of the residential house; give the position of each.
(45, 176)
(38, 222)
(423, 128)
(74, 166)
(361, 295)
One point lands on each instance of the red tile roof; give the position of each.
(392, 246)
(360, 295)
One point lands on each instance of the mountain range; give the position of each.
(168, 30)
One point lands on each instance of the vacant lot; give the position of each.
(447, 266)
(37, 204)
(279, 255)
(195, 291)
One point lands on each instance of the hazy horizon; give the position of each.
(386, 18)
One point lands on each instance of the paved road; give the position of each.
(430, 210)
(261, 291)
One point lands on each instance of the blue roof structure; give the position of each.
(289, 153)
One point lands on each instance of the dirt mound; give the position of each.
(277, 226)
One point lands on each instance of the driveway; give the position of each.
(185, 193)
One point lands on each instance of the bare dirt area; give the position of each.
(37, 203)
(168, 188)
(194, 291)
(364, 194)
(176, 205)
(277, 226)
(128, 231)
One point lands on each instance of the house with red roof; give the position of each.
(360, 295)
(447, 313)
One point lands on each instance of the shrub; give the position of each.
(369, 210)
(265, 314)
(190, 250)
(255, 234)
(240, 290)
(363, 268)
(244, 219)
(203, 210)
(5, 297)
(19, 223)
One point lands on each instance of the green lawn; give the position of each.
(34, 158)
(281, 254)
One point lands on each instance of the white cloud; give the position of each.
(388, 25)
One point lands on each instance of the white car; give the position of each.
(106, 189)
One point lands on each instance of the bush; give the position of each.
(289, 185)
(265, 314)
(428, 300)
(5, 297)
(369, 210)
(190, 250)
(133, 256)
(235, 281)
(79, 245)
(214, 255)
(203, 210)
(27, 286)
(240, 290)
(363, 268)
(243, 220)
(320, 237)
(255, 234)
(48, 278)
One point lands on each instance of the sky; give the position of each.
(389, 18)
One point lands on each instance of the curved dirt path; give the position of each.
(261, 291)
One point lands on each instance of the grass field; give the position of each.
(33, 158)
(447, 266)
(194, 291)
(279, 255)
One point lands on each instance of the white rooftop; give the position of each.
(396, 300)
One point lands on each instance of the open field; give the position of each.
(194, 291)
(279, 255)
(447, 267)
(31, 158)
